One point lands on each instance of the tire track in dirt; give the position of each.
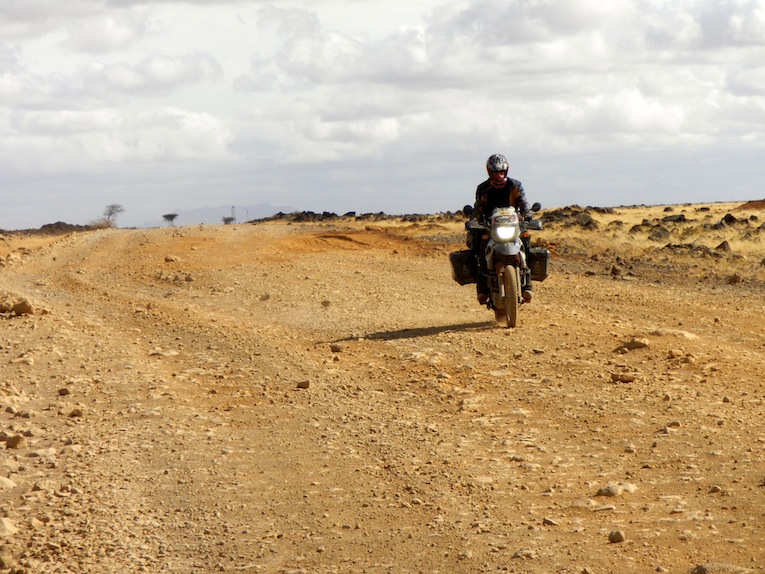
(426, 439)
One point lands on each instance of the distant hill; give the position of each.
(215, 215)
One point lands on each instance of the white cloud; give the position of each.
(157, 73)
(732, 23)
(746, 82)
(77, 141)
(364, 98)
(67, 122)
(105, 33)
(98, 84)
(569, 69)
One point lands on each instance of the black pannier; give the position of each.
(464, 267)
(539, 258)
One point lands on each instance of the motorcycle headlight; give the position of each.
(506, 233)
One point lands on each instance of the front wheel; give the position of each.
(510, 282)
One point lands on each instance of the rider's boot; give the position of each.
(527, 290)
(482, 293)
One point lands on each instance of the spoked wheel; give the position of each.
(510, 281)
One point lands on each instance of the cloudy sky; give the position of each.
(374, 105)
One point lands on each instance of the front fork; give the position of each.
(495, 277)
(489, 270)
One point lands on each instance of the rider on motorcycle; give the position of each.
(497, 191)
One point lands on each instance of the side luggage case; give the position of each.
(464, 267)
(539, 260)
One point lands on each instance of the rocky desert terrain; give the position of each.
(318, 396)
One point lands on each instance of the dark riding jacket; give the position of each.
(487, 198)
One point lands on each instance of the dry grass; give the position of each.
(632, 231)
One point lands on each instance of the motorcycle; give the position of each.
(509, 262)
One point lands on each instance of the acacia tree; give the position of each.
(170, 217)
(228, 220)
(112, 211)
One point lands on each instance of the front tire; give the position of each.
(510, 281)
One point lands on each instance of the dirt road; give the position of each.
(323, 398)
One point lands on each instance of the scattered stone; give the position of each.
(470, 404)
(724, 247)
(632, 345)
(18, 441)
(43, 453)
(525, 554)
(326, 303)
(76, 413)
(613, 489)
(161, 353)
(604, 508)
(7, 528)
(24, 359)
(616, 536)
(23, 307)
(171, 258)
(522, 436)
(719, 569)
(660, 234)
(583, 503)
(7, 561)
(6, 483)
(623, 378)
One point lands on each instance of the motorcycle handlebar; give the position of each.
(534, 224)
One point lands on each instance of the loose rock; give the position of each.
(7, 527)
(616, 536)
(616, 489)
(719, 569)
(632, 345)
(17, 441)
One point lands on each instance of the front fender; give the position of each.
(508, 249)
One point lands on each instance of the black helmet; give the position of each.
(496, 162)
